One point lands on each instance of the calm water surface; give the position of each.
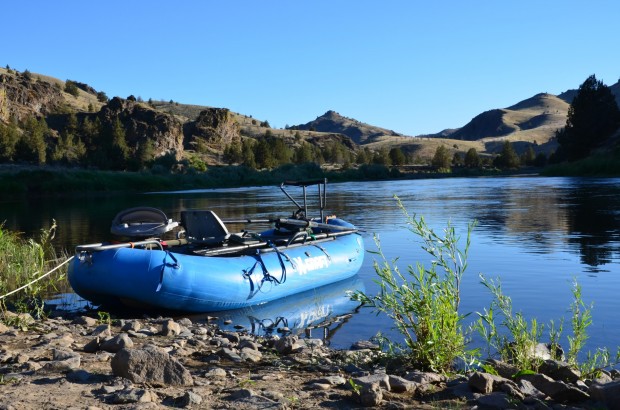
(536, 234)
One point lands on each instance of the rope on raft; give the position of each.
(37, 279)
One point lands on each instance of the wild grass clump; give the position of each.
(424, 302)
(21, 262)
(514, 340)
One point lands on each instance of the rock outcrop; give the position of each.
(22, 96)
(214, 127)
(142, 123)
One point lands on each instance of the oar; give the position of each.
(313, 224)
(297, 222)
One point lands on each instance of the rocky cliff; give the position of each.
(215, 127)
(22, 95)
(142, 123)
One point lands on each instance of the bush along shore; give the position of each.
(60, 360)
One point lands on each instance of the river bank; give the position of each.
(79, 362)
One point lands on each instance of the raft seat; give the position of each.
(204, 227)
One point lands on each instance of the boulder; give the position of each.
(608, 393)
(557, 390)
(150, 364)
(117, 343)
(559, 371)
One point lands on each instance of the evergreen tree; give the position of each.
(233, 153)
(247, 152)
(456, 159)
(114, 152)
(303, 153)
(592, 117)
(9, 136)
(31, 145)
(441, 159)
(528, 156)
(472, 160)
(382, 157)
(508, 158)
(397, 157)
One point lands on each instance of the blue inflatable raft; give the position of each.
(209, 269)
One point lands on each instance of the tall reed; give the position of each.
(22, 261)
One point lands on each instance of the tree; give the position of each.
(233, 153)
(456, 159)
(31, 146)
(472, 160)
(9, 136)
(102, 97)
(592, 117)
(397, 156)
(441, 159)
(303, 153)
(528, 156)
(508, 158)
(247, 153)
(72, 88)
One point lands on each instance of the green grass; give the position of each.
(21, 262)
(600, 165)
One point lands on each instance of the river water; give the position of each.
(536, 234)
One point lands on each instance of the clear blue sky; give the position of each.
(412, 66)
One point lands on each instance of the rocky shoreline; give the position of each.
(157, 363)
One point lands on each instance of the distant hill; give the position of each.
(183, 128)
(359, 132)
(533, 119)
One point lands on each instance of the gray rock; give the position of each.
(132, 325)
(559, 371)
(187, 322)
(79, 376)
(287, 344)
(365, 344)
(371, 396)
(190, 399)
(170, 328)
(233, 337)
(242, 394)
(425, 377)
(62, 366)
(134, 396)
(92, 346)
(332, 380)
(529, 390)
(84, 321)
(379, 379)
(250, 355)
(481, 382)
(229, 354)
(215, 373)
(248, 344)
(506, 370)
(495, 401)
(401, 385)
(117, 343)
(608, 393)
(557, 390)
(102, 330)
(150, 365)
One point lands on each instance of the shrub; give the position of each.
(424, 303)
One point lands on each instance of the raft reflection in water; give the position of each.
(324, 309)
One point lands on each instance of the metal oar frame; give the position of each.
(299, 238)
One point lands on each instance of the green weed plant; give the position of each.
(424, 301)
(21, 262)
